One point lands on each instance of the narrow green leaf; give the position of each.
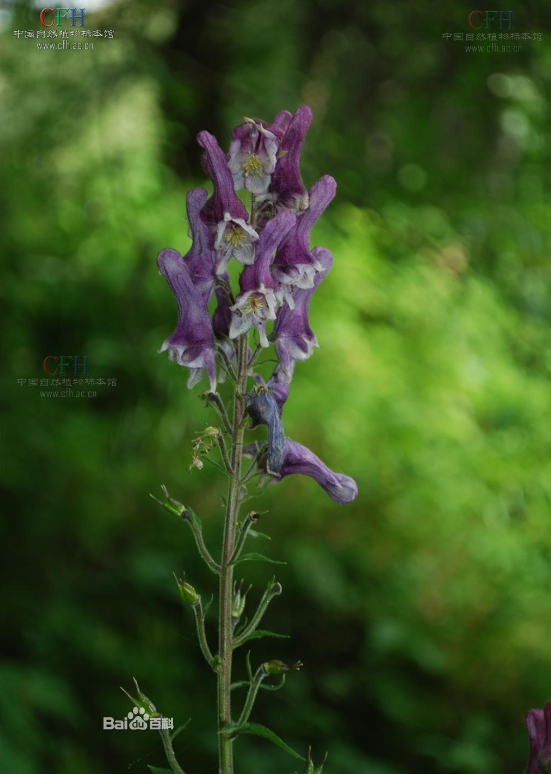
(157, 770)
(255, 534)
(257, 730)
(209, 603)
(262, 633)
(256, 558)
(181, 728)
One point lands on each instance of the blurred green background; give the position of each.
(421, 612)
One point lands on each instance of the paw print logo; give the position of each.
(138, 719)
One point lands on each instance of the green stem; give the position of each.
(251, 696)
(201, 634)
(171, 757)
(225, 744)
(195, 525)
(273, 590)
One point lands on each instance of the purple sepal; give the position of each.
(256, 304)
(192, 343)
(277, 384)
(287, 186)
(224, 200)
(294, 338)
(298, 460)
(294, 264)
(201, 258)
(538, 725)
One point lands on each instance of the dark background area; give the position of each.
(421, 612)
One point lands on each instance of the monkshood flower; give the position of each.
(277, 384)
(256, 304)
(294, 338)
(298, 460)
(253, 152)
(287, 188)
(252, 156)
(192, 343)
(538, 724)
(294, 265)
(201, 258)
(263, 410)
(234, 238)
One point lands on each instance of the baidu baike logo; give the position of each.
(138, 720)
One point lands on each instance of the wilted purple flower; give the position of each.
(538, 724)
(294, 265)
(224, 200)
(256, 304)
(300, 460)
(277, 384)
(287, 187)
(201, 258)
(192, 343)
(294, 338)
(263, 410)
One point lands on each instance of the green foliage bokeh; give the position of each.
(422, 611)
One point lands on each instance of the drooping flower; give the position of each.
(224, 200)
(277, 384)
(256, 304)
(287, 187)
(252, 156)
(234, 237)
(263, 410)
(192, 343)
(294, 338)
(538, 725)
(298, 460)
(201, 258)
(294, 265)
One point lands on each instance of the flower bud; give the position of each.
(187, 592)
(238, 601)
(169, 504)
(277, 667)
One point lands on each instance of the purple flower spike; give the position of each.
(192, 343)
(300, 460)
(294, 338)
(201, 259)
(224, 199)
(287, 183)
(252, 156)
(294, 264)
(538, 725)
(256, 304)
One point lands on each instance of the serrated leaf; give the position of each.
(256, 558)
(157, 770)
(257, 730)
(261, 633)
(255, 534)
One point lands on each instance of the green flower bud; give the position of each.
(310, 768)
(170, 505)
(238, 601)
(187, 592)
(277, 667)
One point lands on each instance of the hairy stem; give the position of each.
(201, 634)
(171, 757)
(251, 696)
(195, 525)
(226, 573)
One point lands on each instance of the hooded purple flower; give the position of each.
(294, 338)
(252, 156)
(256, 304)
(263, 410)
(287, 187)
(201, 258)
(294, 264)
(192, 343)
(538, 724)
(300, 460)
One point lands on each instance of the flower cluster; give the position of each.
(279, 276)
